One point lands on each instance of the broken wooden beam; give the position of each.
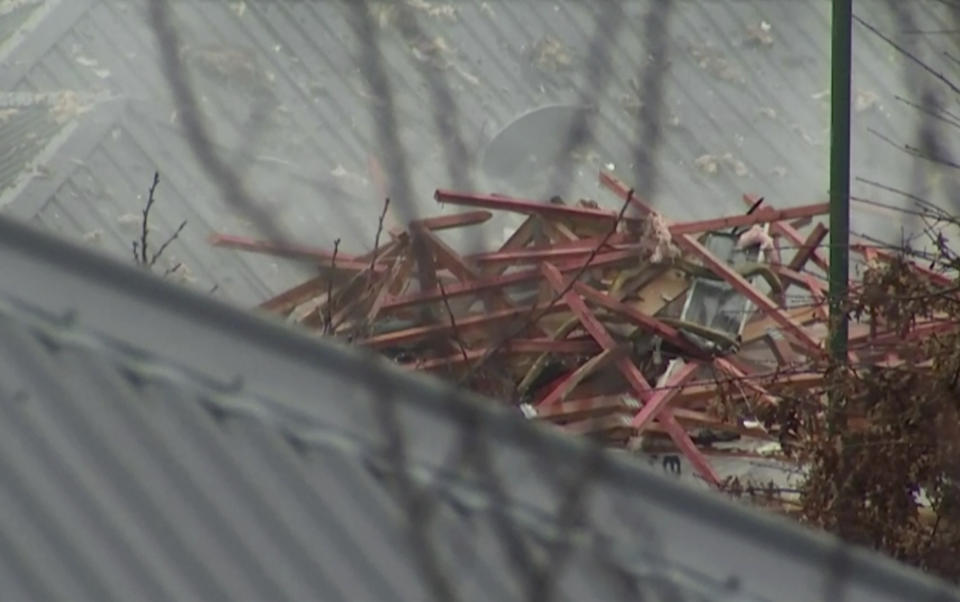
(760, 216)
(456, 220)
(292, 251)
(530, 207)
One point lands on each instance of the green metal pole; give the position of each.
(839, 174)
(840, 71)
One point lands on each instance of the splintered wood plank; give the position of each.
(449, 259)
(565, 387)
(457, 220)
(286, 301)
(398, 275)
(660, 291)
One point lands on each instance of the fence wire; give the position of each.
(374, 26)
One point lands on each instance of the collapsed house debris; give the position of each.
(644, 333)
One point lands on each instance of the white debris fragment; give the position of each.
(131, 220)
(760, 34)
(865, 100)
(739, 167)
(710, 164)
(707, 164)
(343, 173)
(69, 104)
(434, 9)
(755, 236)
(769, 448)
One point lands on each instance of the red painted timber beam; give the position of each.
(665, 331)
(631, 373)
(659, 400)
(760, 216)
(596, 329)
(230, 241)
(700, 391)
(464, 324)
(447, 258)
(496, 282)
(615, 185)
(808, 248)
(763, 215)
(919, 331)
(743, 287)
(514, 347)
(867, 249)
(538, 255)
(530, 207)
(742, 373)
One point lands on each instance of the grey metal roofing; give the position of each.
(156, 443)
(296, 101)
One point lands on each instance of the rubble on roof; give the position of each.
(624, 327)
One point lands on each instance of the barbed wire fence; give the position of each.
(539, 567)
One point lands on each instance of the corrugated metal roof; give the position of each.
(29, 128)
(740, 109)
(157, 444)
(122, 482)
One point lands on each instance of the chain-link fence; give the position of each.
(294, 119)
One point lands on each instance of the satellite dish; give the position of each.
(537, 140)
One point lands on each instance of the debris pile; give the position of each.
(622, 326)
